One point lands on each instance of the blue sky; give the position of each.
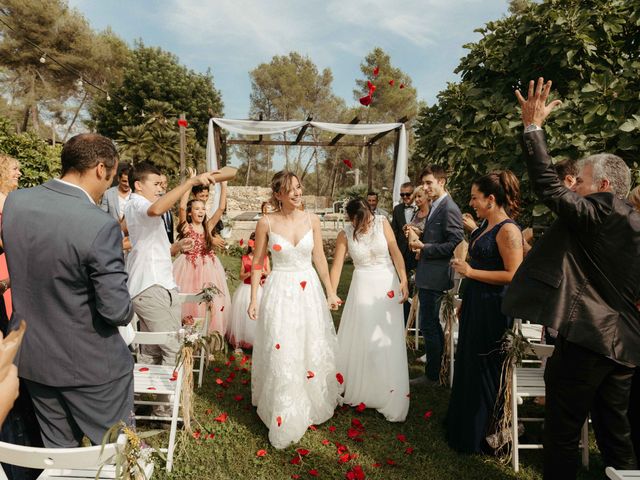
(423, 37)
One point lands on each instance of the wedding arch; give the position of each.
(217, 144)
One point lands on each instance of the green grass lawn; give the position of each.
(228, 450)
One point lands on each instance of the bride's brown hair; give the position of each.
(281, 182)
(360, 214)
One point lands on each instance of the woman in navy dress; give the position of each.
(495, 253)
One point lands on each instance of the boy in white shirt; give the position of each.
(151, 284)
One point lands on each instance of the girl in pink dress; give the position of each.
(199, 267)
(242, 329)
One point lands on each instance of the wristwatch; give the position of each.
(532, 127)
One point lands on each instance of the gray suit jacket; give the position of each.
(110, 203)
(69, 284)
(442, 233)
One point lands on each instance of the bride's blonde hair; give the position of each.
(282, 182)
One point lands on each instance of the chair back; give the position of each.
(59, 458)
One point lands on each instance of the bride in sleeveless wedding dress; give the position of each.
(293, 375)
(372, 354)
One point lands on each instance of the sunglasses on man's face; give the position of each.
(405, 194)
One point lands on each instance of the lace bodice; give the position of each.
(371, 247)
(288, 257)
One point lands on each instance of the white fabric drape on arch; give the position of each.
(256, 127)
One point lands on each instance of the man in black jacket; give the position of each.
(402, 214)
(582, 279)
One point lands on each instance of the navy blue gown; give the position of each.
(478, 362)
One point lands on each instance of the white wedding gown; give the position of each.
(372, 353)
(293, 374)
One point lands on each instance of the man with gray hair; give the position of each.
(582, 278)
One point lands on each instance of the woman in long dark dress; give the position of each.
(495, 254)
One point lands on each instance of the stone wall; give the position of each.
(249, 199)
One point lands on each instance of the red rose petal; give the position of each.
(390, 461)
(244, 382)
(261, 453)
(376, 71)
(344, 458)
(391, 294)
(244, 360)
(325, 441)
(310, 374)
(241, 242)
(353, 433)
(348, 163)
(332, 428)
(313, 428)
(211, 436)
(238, 398)
(391, 82)
(196, 434)
(295, 460)
(366, 100)
(277, 346)
(340, 378)
(401, 86)
(409, 450)
(401, 438)
(279, 420)
(313, 473)
(208, 411)
(361, 407)
(277, 247)
(295, 475)
(303, 284)
(143, 369)
(303, 452)
(183, 123)
(427, 415)
(221, 418)
(216, 369)
(376, 465)
(219, 381)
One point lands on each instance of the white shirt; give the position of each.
(149, 261)
(408, 213)
(436, 203)
(122, 202)
(76, 186)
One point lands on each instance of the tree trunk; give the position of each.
(246, 183)
(75, 116)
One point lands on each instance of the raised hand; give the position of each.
(535, 109)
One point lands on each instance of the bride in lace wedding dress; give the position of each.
(293, 374)
(372, 354)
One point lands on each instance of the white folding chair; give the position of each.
(162, 380)
(204, 330)
(614, 474)
(81, 463)
(528, 382)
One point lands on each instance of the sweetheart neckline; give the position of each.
(289, 241)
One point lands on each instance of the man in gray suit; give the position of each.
(115, 198)
(69, 284)
(434, 275)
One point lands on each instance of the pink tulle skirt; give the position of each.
(192, 279)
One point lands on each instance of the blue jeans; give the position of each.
(431, 330)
